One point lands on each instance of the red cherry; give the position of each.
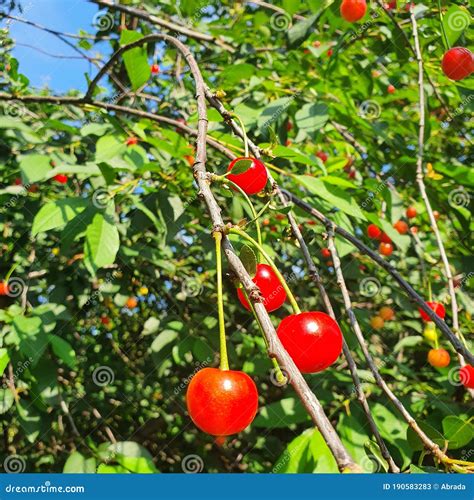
(401, 226)
(391, 5)
(353, 10)
(384, 238)
(105, 320)
(391, 89)
(386, 248)
(288, 143)
(434, 306)
(411, 212)
(289, 126)
(458, 63)
(373, 231)
(253, 180)
(61, 178)
(322, 156)
(326, 253)
(155, 69)
(312, 339)
(190, 159)
(466, 376)
(330, 52)
(4, 288)
(131, 141)
(18, 182)
(222, 402)
(273, 293)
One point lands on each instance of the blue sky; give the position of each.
(68, 16)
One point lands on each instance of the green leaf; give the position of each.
(415, 442)
(4, 359)
(325, 461)
(164, 339)
(136, 61)
(312, 117)
(6, 400)
(151, 326)
(79, 464)
(455, 22)
(111, 469)
(34, 167)
(249, 259)
(31, 335)
(458, 432)
(332, 194)
(293, 459)
(281, 414)
(298, 33)
(133, 457)
(241, 166)
(63, 350)
(57, 213)
(107, 147)
(102, 242)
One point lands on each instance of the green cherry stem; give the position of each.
(291, 298)
(281, 379)
(445, 37)
(246, 141)
(224, 363)
(10, 272)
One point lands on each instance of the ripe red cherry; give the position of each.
(434, 306)
(312, 339)
(411, 212)
(391, 89)
(458, 63)
(222, 402)
(391, 5)
(373, 231)
(322, 156)
(330, 52)
(273, 293)
(4, 288)
(253, 180)
(131, 141)
(384, 238)
(326, 253)
(466, 376)
(385, 248)
(155, 69)
(353, 10)
(289, 126)
(401, 226)
(61, 178)
(105, 320)
(18, 182)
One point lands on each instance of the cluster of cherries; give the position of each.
(386, 244)
(457, 63)
(224, 402)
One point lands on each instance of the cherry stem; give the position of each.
(224, 363)
(445, 37)
(430, 293)
(246, 141)
(291, 298)
(252, 208)
(10, 272)
(280, 377)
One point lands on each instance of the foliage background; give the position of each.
(129, 224)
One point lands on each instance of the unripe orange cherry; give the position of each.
(411, 212)
(131, 303)
(401, 226)
(377, 322)
(439, 358)
(131, 141)
(386, 313)
(391, 89)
